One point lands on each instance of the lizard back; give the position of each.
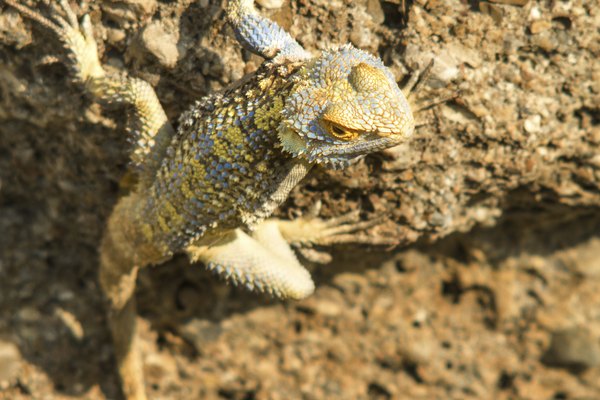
(225, 164)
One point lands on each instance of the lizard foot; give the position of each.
(348, 228)
(78, 39)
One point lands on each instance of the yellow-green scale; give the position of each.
(223, 164)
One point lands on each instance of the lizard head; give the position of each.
(345, 105)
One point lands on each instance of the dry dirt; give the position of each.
(493, 290)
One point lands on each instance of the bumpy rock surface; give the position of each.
(495, 204)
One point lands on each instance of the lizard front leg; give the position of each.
(123, 252)
(261, 35)
(263, 262)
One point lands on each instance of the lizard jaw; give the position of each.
(336, 156)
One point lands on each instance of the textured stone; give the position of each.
(10, 363)
(159, 43)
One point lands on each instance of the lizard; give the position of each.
(208, 189)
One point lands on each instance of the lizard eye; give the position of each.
(339, 132)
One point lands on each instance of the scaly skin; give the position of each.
(207, 189)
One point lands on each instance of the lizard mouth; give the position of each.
(338, 155)
(368, 143)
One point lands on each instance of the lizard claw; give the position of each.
(78, 40)
(72, 18)
(311, 230)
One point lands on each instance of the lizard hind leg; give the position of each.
(262, 262)
(414, 87)
(120, 260)
(121, 253)
(117, 279)
(417, 80)
(149, 129)
(78, 40)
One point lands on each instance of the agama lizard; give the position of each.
(208, 188)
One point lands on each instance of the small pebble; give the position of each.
(200, 333)
(160, 44)
(270, 4)
(533, 124)
(573, 348)
(328, 308)
(160, 368)
(539, 26)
